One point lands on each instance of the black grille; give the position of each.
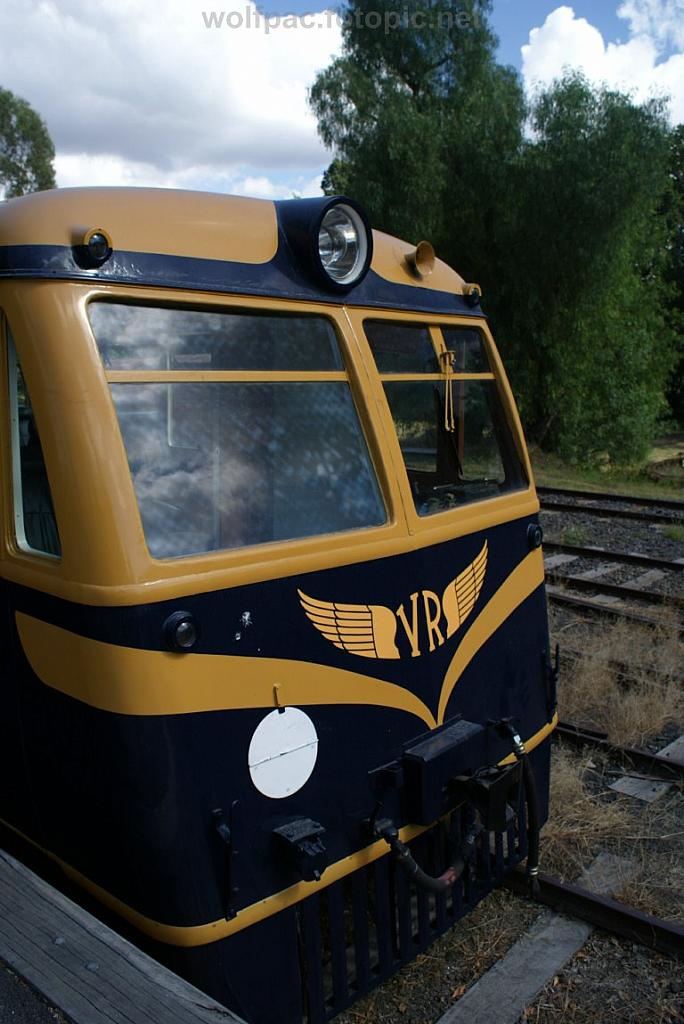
(357, 932)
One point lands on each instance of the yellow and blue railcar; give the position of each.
(276, 679)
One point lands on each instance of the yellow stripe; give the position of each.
(214, 931)
(127, 681)
(524, 579)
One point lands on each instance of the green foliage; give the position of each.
(419, 119)
(589, 342)
(673, 211)
(562, 226)
(26, 150)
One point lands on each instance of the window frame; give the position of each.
(346, 375)
(17, 485)
(472, 515)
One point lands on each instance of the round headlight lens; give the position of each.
(342, 244)
(181, 631)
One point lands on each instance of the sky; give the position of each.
(212, 95)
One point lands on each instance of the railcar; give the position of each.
(276, 678)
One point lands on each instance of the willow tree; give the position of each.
(556, 210)
(589, 338)
(26, 149)
(422, 122)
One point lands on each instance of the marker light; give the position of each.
(342, 244)
(96, 247)
(473, 295)
(181, 631)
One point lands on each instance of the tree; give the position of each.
(26, 150)
(554, 210)
(589, 341)
(674, 270)
(422, 122)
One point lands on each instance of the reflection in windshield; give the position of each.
(448, 468)
(223, 465)
(134, 337)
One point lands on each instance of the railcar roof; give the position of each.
(184, 226)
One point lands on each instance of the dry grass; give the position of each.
(608, 686)
(422, 991)
(580, 823)
(587, 817)
(632, 706)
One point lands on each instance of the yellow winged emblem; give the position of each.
(370, 630)
(459, 597)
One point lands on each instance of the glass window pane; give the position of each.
(36, 526)
(476, 460)
(401, 348)
(225, 465)
(469, 349)
(148, 338)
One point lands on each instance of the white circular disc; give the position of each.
(283, 752)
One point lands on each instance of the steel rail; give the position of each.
(622, 590)
(626, 499)
(583, 604)
(643, 760)
(566, 898)
(626, 557)
(665, 518)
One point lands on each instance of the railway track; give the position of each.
(620, 590)
(622, 557)
(620, 506)
(590, 606)
(642, 760)
(624, 600)
(564, 897)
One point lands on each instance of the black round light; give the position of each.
(534, 536)
(181, 631)
(473, 297)
(99, 248)
(94, 249)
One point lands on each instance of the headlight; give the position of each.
(342, 244)
(181, 631)
(330, 239)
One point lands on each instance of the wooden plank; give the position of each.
(501, 995)
(82, 967)
(647, 790)
(674, 751)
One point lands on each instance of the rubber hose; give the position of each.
(439, 884)
(532, 801)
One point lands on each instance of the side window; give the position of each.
(34, 516)
(452, 431)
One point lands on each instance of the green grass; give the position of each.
(575, 535)
(662, 475)
(674, 533)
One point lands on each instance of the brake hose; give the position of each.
(532, 803)
(388, 831)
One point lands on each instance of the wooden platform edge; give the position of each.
(84, 968)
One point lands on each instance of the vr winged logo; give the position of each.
(370, 630)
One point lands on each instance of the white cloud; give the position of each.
(661, 20)
(148, 94)
(75, 169)
(636, 66)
